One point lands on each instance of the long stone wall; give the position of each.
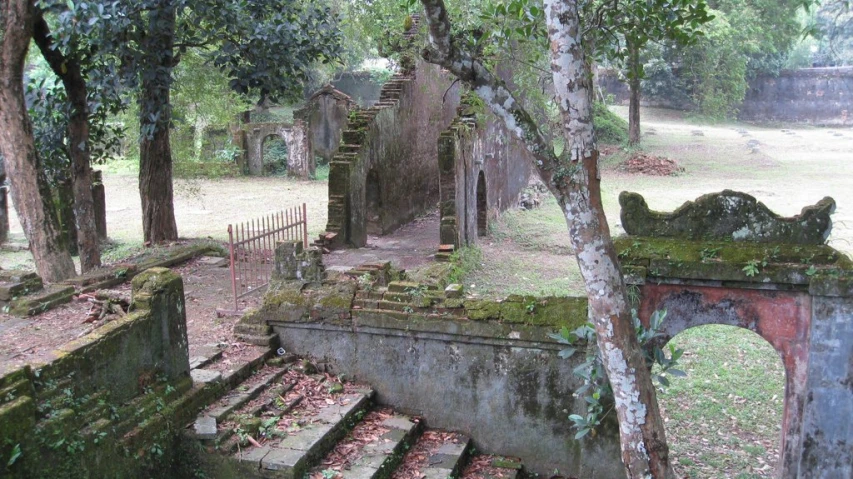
(818, 96)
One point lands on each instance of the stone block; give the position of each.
(213, 261)
(205, 377)
(454, 290)
(204, 428)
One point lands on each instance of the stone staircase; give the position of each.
(288, 420)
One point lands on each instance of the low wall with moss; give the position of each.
(486, 368)
(107, 405)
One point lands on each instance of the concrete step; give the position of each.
(205, 426)
(438, 454)
(360, 458)
(292, 456)
(487, 466)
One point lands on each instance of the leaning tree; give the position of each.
(30, 190)
(576, 32)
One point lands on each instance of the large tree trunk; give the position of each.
(155, 153)
(574, 180)
(30, 190)
(634, 87)
(68, 69)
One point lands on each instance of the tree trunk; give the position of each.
(634, 87)
(155, 153)
(575, 182)
(68, 70)
(30, 190)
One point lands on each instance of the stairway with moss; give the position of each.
(289, 420)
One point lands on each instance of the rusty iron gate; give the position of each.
(251, 246)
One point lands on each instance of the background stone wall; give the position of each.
(818, 96)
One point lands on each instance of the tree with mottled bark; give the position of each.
(30, 190)
(573, 177)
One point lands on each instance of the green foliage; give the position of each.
(321, 173)
(275, 156)
(464, 261)
(596, 390)
(610, 128)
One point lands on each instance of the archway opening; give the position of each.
(274, 155)
(482, 206)
(373, 195)
(724, 419)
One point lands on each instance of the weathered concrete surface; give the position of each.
(300, 155)
(730, 216)
(827, 432)
(327, 112)
(511, 396)
(819, 96)
(482, 170)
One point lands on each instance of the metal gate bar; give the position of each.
(251, 246)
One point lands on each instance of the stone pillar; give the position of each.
(827, 431)
(292, 262)
(100, 201)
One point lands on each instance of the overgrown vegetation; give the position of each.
(610, 129)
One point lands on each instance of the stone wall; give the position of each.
(483, 169)
(107, 406)
(250, 139)
(819, 96)
(327, 113)
(386, 172)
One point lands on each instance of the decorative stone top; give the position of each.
(330, 90)
(727, 216)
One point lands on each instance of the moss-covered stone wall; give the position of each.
(112, 402)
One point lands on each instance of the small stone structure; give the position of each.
(386, 173)
(327, 113)
(798, 296)
(250, 139)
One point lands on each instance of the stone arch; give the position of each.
(782, 318)
(754, 380)
(300, 154)
(274, 154)
(482, 205)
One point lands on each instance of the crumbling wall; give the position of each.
(300, 155)
(327, 113)
(394, 145)
(104, 406)
(483, 169)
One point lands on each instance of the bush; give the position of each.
(609, 128)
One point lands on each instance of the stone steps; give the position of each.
(299, 424)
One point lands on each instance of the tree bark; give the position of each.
(30, 190)
(155, 153)
(634, 88)
(69, 71)
(574, 180)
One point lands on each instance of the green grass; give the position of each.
(724, 418)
